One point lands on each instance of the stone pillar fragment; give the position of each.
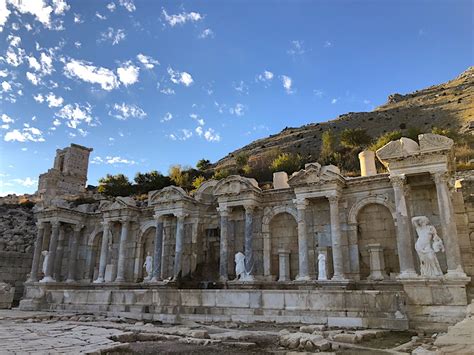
(158, 252)
(377, 263)
(71, 277)
(53, 243)
(37, 252)
(58, 261)
(103, 252)
(284, 265)
(179, 243)
(336, 238)
(404, 239)
(122, 252)
(303, 257)
(448, 226)
(224, 243)
(249, 260)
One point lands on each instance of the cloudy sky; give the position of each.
(148, 84)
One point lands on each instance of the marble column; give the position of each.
(448, 226)
(249, 260)
(37, 252)
(103, 252)
(53, 243)
(178, 254)
(122, 250)
(58, 261)
(303, 254)
(224, 243)
(158, 251)
(377, 263)
(404, 238)
(71, 276)
(336, 239)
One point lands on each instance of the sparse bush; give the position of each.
(198, 181)
(203, 164)
(328, 143)
(115, 185)
(220, 174)
(286, 162)
(385, 139)
(354, 138)
(241, 160)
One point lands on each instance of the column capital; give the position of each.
(55, 223)
(78, 227)
(158, 217)
(333, 199)
(398, 180)
(41, 225)
(440, 177)
(223, 210)
(105, 223)
(250, 207)
(125, 219)
(301, 203)
(180, 214)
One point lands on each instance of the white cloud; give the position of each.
(178, 77)
(75, 114)
(265, 76)
(92, 74)
(318, 93)
(77, 44)
(6, 86)
(112, 35)
(112, 160)
(167, 91)
(287, 84)
(100, 16)
(211, 136)
(241, 87)
(4, 72)
(128, 74)
(46, 64)
(182, 18)
(60, 7)
(327, 44)
(31, 134)
(167, 117)
(33, 63)
(297, 48)
(333, 101)
(186, 134)
(111, 7)
(207, 33)
(123, 111)
(6, 119)
(28, 182)
(4, 14)
(199, 130)
(199, 120)
(39, 98)
(35, 79)
(238, 110)
(77, 18)
(147, 61)
(54, 101)
(56, 122)
(128, 4)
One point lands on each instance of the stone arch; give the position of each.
(379, 199)
(95, 233)
(94, 242)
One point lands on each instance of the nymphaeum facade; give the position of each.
(360, 227)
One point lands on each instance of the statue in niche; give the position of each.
(239, 265)
(427, 245)
(322, 275)
(45, 254)
(148, 266)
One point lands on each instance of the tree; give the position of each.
(203, 164)
(178, 176)
(241, 159)
(220, 174)
(198, 181)
(150, 181)
(354, 138)
(115, 185)
(286, 162)
(328, 142)
(385, 139)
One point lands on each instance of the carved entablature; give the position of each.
(236, 185)
(169, 194)
(405, 156)
(314, 174)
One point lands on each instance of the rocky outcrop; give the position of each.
(17, 228)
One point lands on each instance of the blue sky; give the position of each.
(149, 84)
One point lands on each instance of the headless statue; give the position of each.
(322, 275)
(427, 244)
(148, 266)
(45, 254)
(239, 265)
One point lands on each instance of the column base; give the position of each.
(99, 280)
(339, 278)
(154, 279)
(223, 279)
(119, 279)
(303, 278)
(407, 274)
(70, 281)
(47, 279)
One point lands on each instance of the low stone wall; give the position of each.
(14, 267)
(341, 308)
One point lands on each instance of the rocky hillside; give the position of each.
(449, 105)
(17, 228)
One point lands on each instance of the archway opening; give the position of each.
(146, 248)
(284, 237)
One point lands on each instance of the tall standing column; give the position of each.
(71, 276)
(121, 253)
(37, 252)
(58, 261)
(158, 252)
(448, 226)
(404, 242)
(303, 254)
(103, 252)
(249, 260)
(179, 243)
(336, 239)
(224, 243)
(53, 243)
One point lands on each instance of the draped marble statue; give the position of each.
(45, 254)
(239, 266)
(427, 245)
(322, 275)
(148, 266)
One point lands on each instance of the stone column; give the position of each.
(336, 239)
(158, 252)
(303, 257)
(103, 252)
(404, 239)
(53, 243)
(58, 260)
(180, 216)
(37, 252)
(71, 276)
(448, 226)
(377, 263)
(249, 260)
(121, 253)
(284, 265)
(224, 243)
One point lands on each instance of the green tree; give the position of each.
(220, 174)
(115, 185)
(241, 160)
(385, 139)
(203, 164)
(286, 162)
(354, 138)
(328, 143)
(150, 181)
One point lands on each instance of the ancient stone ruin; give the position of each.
(318, 248)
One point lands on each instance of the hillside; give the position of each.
(449, 105)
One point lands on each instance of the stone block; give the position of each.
(346, 322)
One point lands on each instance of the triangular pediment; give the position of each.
(313, 174)
(119, 203)
(167, 194)
(235, 185)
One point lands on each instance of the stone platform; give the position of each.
(336, 308)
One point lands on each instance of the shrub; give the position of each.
(115, 185)
(286, 162)
(241, 159)
(178, 176)
(354, 138)
(203, 164)
(385, 138)
(198, 181)
(220, 174)
(328, 142)
(150, 181)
